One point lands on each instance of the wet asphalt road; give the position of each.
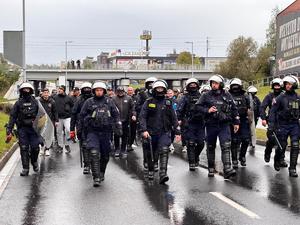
(61, 194)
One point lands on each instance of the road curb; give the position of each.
(4, 159)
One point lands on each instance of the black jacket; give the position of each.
(23, 113)
(50, 108)
(158, 116)
(126, 107)
(64, 105)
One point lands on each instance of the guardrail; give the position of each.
(266, 81)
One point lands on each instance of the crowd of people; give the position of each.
(109, 123)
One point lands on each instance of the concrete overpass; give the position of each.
(42, 75)
(174, 78)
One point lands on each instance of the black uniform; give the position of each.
(284, 121)
(218, 125)
(100, 115)
(81, 135)
(192, 126)
(158, 118)
(271, 142)
(23, 114)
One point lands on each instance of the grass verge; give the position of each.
(3, 146)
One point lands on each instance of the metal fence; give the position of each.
(266, 81)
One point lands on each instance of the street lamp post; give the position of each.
(192, 43)
(66, 64)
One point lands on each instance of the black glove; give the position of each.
(271, 127)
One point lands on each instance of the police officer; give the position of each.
(276, 85)
(142, 96)
(220, 112)
(157, 119)
(85, 93)
(251, 90)
(240, 140)
(204, 88)
(127, 113)
(99, 115)
(23, 114)
(193, 124)
(284, 121)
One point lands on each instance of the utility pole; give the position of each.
(207, 46)
(24, 55)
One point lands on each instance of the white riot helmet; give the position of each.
(86, 85)
(204, 88)
(218, 79)
(276, 81)
(26, 85)
(235, 81)
(292, 80)
(252, 90)
(160, 83)
(99, 85)
(149, 81)
(191, 80)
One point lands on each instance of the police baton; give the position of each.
(277, 140)
(151, 149)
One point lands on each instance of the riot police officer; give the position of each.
(284, 121)
(204, 88)
(99, 115)
(24, 112)
(127, 113)
(157, 119)
(85, 93)
(220, 112)
(193, 125)
(142, 96)
(240, 140)
(251, 90)
(276, 85)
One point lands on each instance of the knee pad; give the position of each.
(24, 147)
(295, 145)
(94, 152)
(164, 150)
(211, 146)
(84, 145)
(226, 145)
(36, 149)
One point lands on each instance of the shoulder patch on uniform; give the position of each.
(152, 105)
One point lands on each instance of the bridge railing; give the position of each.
(267, 80)
(129, 67)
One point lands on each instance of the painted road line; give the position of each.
(235, 205)
(8, 170)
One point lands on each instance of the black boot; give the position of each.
(210, 153)
(293, 159)
(269, 146)
(244, 147)
(235, 145)
(163, 165)
(191, 148)
(34, 157)
(95, 166)
(86, 158)
(103, 164)
(25, 160)
(277, 157)
(227, 169)
(198, 150)
(156, 157)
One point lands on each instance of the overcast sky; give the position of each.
(94, 26)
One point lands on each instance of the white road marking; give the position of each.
(235, 205)
(8, 170)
